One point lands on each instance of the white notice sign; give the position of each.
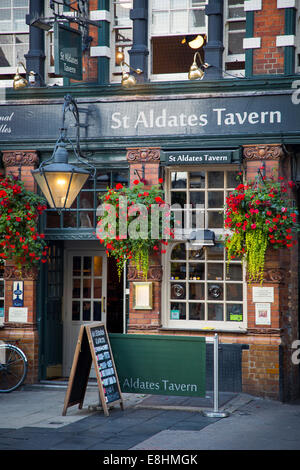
(263, 314)
(263, 294)
(18, 314)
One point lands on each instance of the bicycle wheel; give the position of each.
(13, 367)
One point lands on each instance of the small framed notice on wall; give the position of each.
(142, 295)
(263, 314)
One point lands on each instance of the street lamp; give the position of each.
(60, 181)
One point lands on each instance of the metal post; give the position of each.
(216, 413)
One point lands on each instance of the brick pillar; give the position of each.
(21, 163)
(145, 320)
(269, 22)
(267, 367)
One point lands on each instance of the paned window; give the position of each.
(235, 30)
(14, 35)
(202, 289)
(121, 36)
(83, 212)
(172, 25)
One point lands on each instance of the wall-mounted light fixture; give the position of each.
(196, 72)
(127, 80)
(194, 41)
(60, 181)
(21, 82)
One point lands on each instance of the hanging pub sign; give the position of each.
(67, 52)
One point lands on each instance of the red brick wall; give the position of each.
(268, 23)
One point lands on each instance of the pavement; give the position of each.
(31, 420)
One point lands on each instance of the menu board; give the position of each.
(105, 364)
(93, 347)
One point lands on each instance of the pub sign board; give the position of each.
(67, 52)
(197, 157)
(160, 364)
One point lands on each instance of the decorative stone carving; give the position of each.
(263, 152)
(147, 154)
(154, 274)
(275, 275)
(20, 158)
(11, 272)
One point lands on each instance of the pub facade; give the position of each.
(197, 136)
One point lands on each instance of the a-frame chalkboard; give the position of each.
(93, 347)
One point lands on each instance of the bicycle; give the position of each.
(13, 367)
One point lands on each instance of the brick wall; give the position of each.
(268, 23)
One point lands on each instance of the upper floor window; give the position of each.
(234, 33)
(172, 23)
(121, 37)
(14, 37)
(297, 61)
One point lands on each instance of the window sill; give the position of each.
(204, 330)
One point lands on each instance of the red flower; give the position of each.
(119, 186)
(136, 182)
(160, 180)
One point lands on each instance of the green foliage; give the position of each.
(259, 215)
(19, 212)
(129, 228)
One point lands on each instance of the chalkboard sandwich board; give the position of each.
(93, 346)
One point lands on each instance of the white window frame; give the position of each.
(116, 70)
(170, 76)
(12, 69)
(232, 57)
(224, 325)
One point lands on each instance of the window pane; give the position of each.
(215, 291)
(6, 56)
(215, 312)
(179, 252)
(234, 272)
(97, 288)
(234, 312)
(215, 179)
(76, 289)
(196, 291)
(179, 21)
(234, 292)
(235, 43)
(197, 197)
(197, 18)
(76, 266)
(232, 179)
(160, 22)
(86, 313)
(87, 266)
(177, 4)
(197, 180)
(215, 271)
(196, 311)
(178, 311)
(178, 180)
(1, 288)
(197, 254)
(97, 265)
(178, 291)
(76, 310)
(215, 199)
(215, 252)
(178, 198)
(178, 271)
(197, 271)
(215, 220)
(97, 311)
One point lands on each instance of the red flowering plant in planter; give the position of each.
(259, 215)
(134, 223)
(19, 212)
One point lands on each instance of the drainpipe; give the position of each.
(35, 58)
(214, 47)
(139, 51)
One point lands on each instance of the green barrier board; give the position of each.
(161, 365)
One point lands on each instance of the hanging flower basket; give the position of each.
(134, 224)
(19, 212)
(259, 215)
